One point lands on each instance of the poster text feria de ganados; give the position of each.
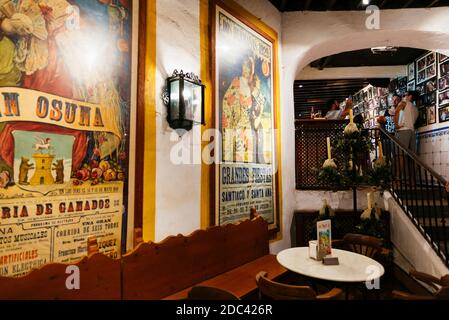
(65, 84)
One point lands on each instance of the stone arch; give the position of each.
(428, 40)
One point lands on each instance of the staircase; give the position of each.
(420, 191)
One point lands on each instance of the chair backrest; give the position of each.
(279, 291)
(366, 245)
(442, 294)
(210, 293)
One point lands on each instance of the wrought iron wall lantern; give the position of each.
(184, 98)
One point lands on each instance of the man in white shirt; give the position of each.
(405, 117)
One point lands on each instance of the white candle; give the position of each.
(369, 200)
(381, 153)
(329, 156)
(351, 116)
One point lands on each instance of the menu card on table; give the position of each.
(324, 237)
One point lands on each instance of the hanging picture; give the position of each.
(245, 104)
(65, 104)
(431, 114)
(426, 67)
(444, 68)
(443, 83)
(443, 98)
(411, 71)
(443, 114)
(422, 116)
(411, 85)
(443, 58)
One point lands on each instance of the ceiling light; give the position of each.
(365, 2)
(376, 50)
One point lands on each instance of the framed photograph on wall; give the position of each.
(411, 85)
(443, 58)
(426, 67)
(430, 72)
(421, 64)
(431, 114)
(443, 114)
(443, 98)
(423, 116)
(245, 78)
(411, 71)
(443, 83)
(69, 153)
(444, 68)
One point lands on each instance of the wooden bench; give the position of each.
(99, 280)
(226, 257)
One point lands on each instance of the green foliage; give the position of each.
(372, 226)
(380, 175)
(331, 177)
(350, 149)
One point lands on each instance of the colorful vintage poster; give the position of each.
(244, 187)
(65, 83)
(324, 236)
(244, 100)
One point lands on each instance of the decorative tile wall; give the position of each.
(433, 149)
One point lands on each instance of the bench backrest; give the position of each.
(151, 271)
(99, 278)
(157, 270)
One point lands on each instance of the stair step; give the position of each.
(421, 192)
(425, 212)
(425, 203)
(433, 222)
(438, 232)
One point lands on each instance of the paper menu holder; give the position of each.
(315, 252)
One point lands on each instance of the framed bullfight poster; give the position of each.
(245, 105)
(65, 105)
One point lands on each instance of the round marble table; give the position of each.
(352, 267)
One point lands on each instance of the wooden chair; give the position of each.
(210, 293)
(440, 287)
(362, 244)
(270, 289)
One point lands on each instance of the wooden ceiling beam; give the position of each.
(383, 3)
(331, 4)
(408, 3)
(283, 5)
(434, 2)
(307, 5)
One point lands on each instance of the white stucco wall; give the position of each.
(177, 186)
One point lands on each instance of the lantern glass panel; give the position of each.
(188, 99)
(174, 100)
(197, 103)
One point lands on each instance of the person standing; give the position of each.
(396, 101)
(333, 110)
(405, 117)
